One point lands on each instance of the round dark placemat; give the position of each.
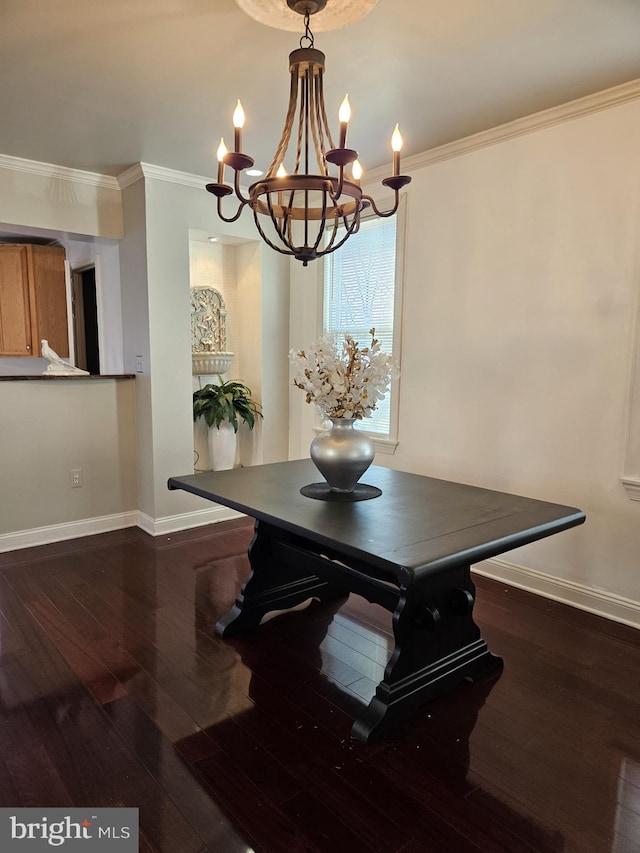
(322, 492)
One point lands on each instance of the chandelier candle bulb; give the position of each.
(396, 145)
(238, 124)
(344, 114)
(221, 153)
(356, 172)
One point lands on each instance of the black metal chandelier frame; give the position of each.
(305, 210)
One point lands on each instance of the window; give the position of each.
(361, 292)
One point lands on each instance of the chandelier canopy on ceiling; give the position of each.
(306, 212)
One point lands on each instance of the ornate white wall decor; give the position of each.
(208, 320)
(208, 332)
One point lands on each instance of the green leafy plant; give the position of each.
(227, 401)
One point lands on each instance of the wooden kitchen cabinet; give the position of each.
(33, 299)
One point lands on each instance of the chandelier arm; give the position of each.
(355, 225)
(288, 251)
(306, 219)
(308, 112)
(316, 128)
(325, 120)
(383, 213)
(323, 222)
(289, 223)
(288, 126)
(224, 218)
(325, 132)
(237, 190)
(300, 132)
(329, 247)
(275, 220)
(335, 196)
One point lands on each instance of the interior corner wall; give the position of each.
(168, 213)
(274, 355)
(136, 341)
(263, 334)
(305, 325)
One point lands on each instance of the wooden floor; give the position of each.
(114, 690)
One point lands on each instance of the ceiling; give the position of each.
(102, 84)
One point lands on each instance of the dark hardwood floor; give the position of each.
(115, 690)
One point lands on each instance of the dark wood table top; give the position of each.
(418, 525)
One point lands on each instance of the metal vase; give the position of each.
(342, 454)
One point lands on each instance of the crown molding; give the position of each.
(186, 179)
(603, 100)
(130, 176)
(61, 173)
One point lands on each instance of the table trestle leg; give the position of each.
(277, 581)
(437, 646)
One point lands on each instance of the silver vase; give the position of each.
(342, 454)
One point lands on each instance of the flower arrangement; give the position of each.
(345, 381)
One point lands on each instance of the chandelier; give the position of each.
(306, 212)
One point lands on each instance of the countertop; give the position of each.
(48, 377)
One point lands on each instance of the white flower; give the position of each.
(345, 383)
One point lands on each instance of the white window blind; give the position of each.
(359, 295)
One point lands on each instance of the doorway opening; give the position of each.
(85, 320)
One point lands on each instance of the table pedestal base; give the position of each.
(395, 702)
(437, 643)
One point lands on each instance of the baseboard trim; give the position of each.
(90, 526)
(184, 521)
(601, 603)
(68, 530)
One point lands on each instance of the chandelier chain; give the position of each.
(308, 35)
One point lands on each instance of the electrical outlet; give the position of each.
(139, 368)
(75, 478)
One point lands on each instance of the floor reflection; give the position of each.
(310, 713)
(627, 820)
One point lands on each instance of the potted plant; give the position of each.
(222, 406)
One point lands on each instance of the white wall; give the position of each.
(49, 427)
(521, 280)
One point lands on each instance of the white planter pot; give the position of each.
(222, 442)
